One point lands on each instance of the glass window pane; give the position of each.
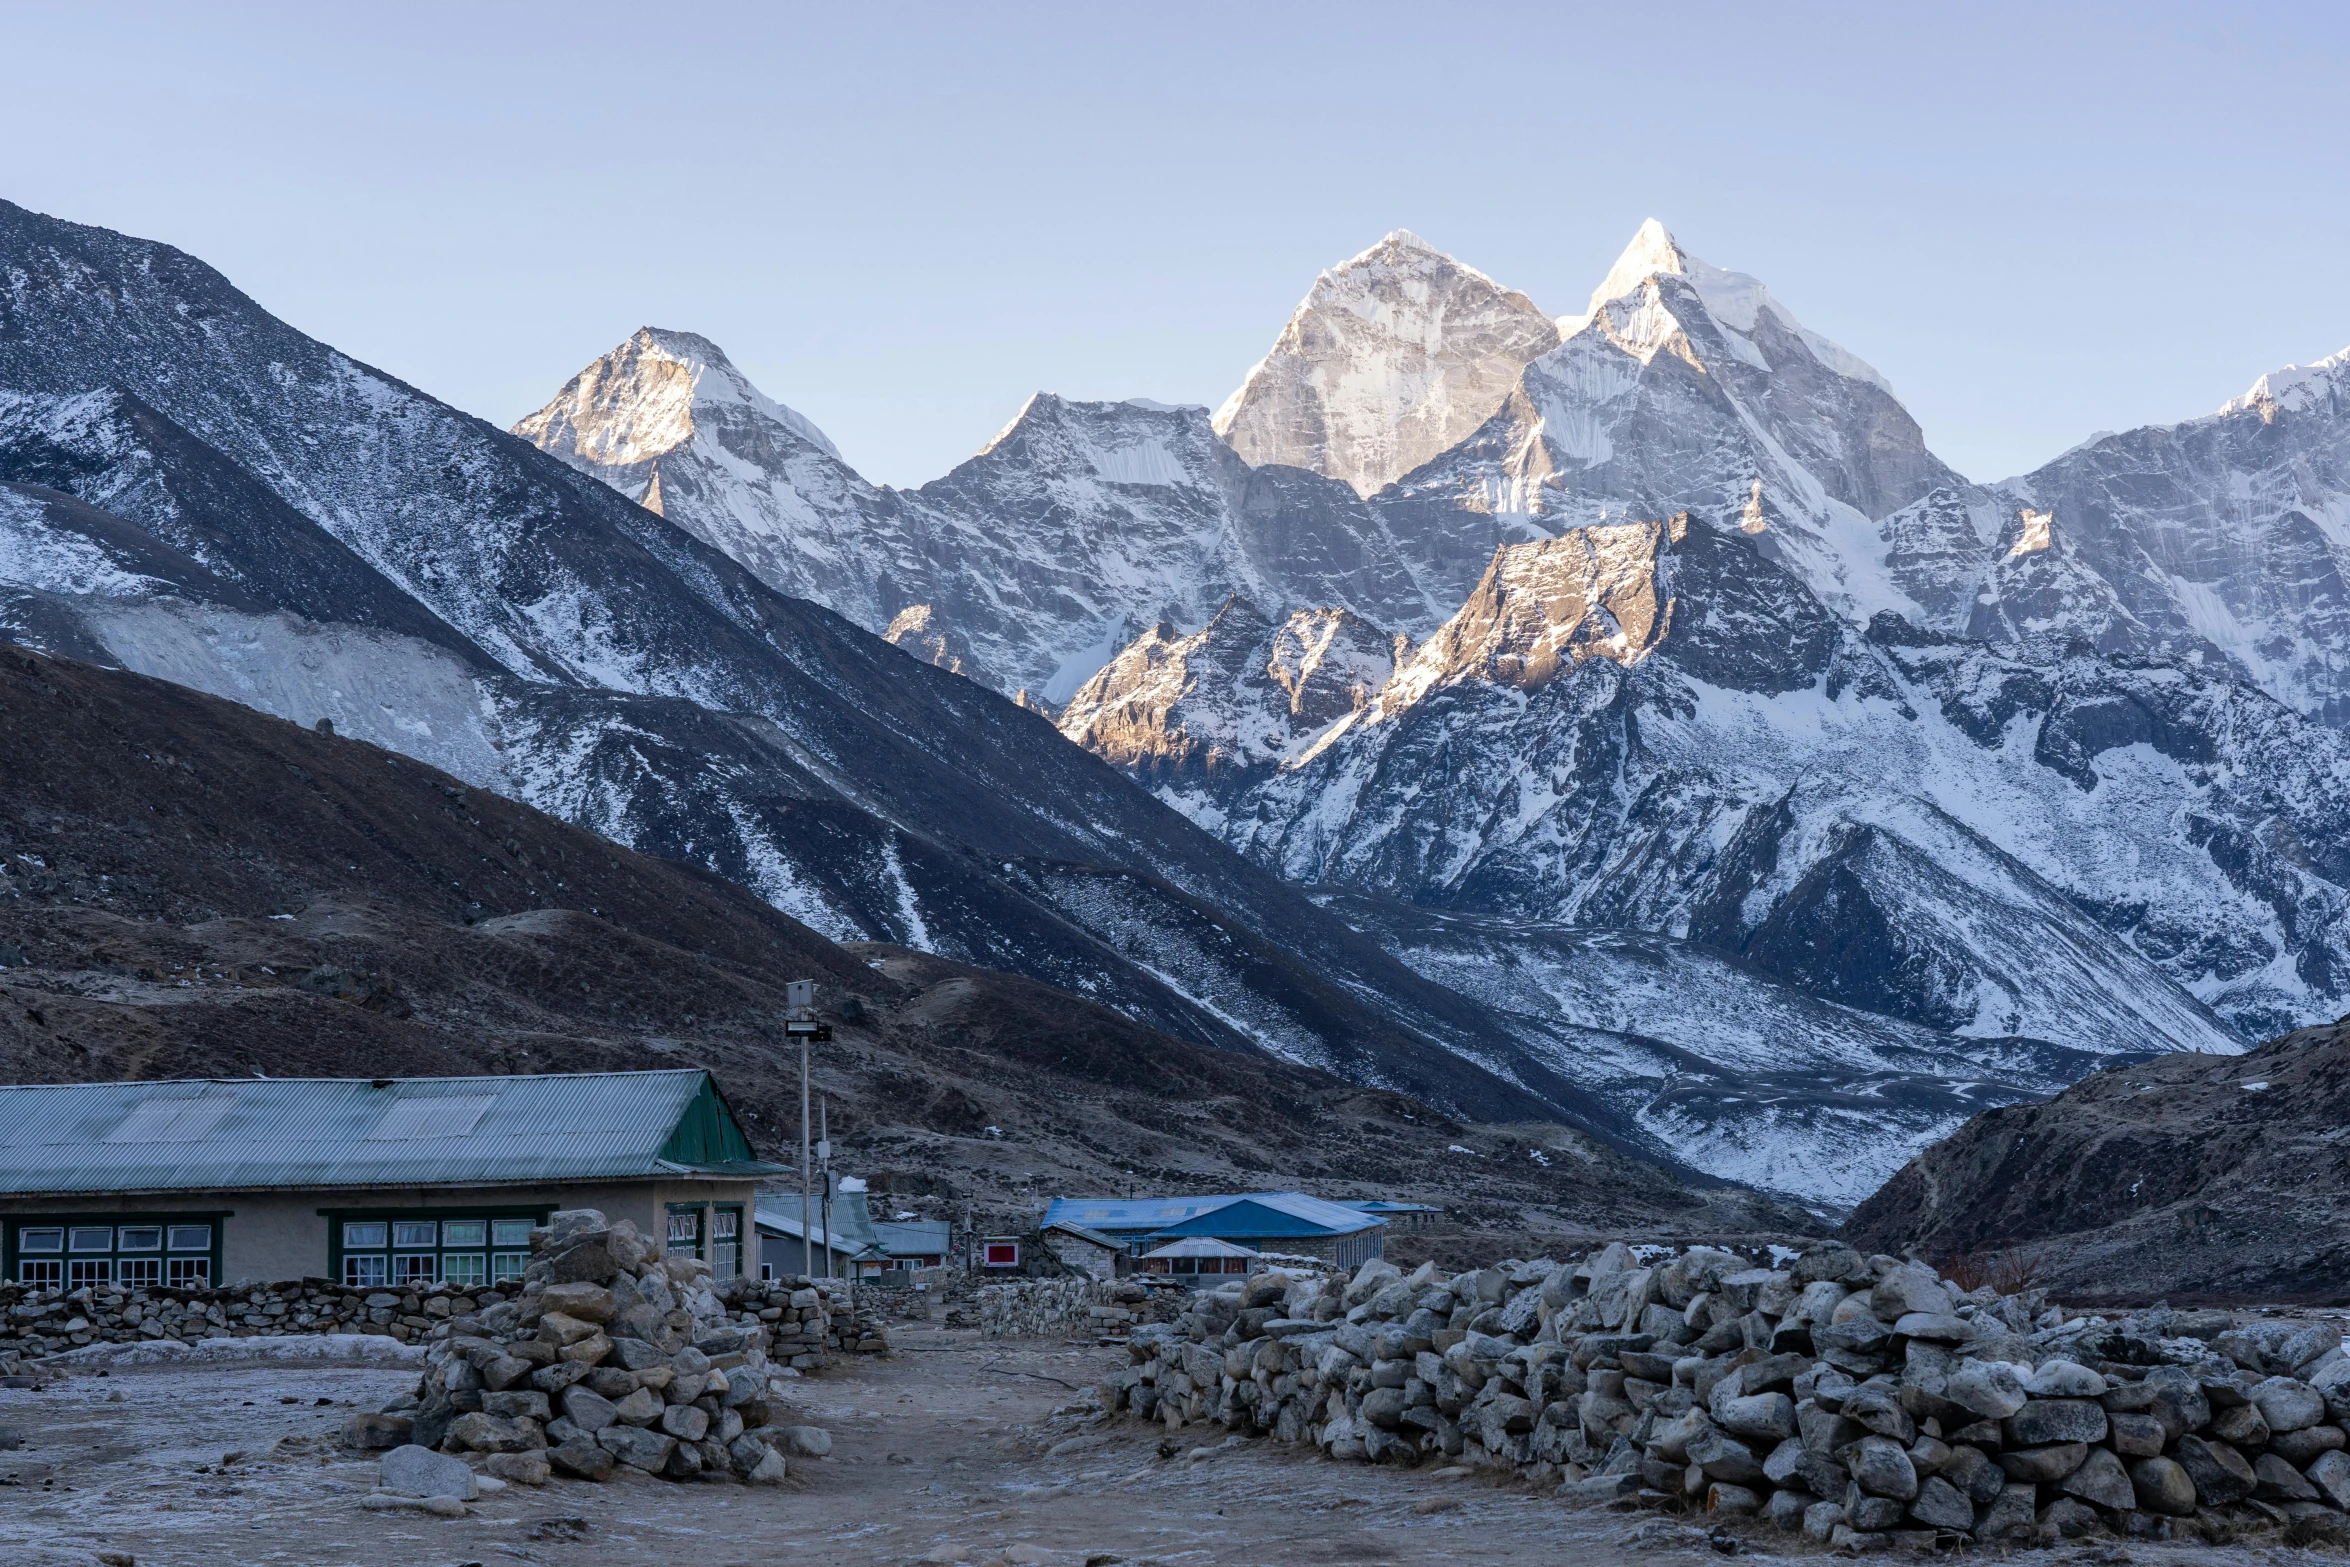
(412, 1270)
(372, 1232)
(466, 1232)
(47, 1273)
(468, 1270)
(510, 1232)
(89, 1270)
(188, 1272)
(100, 1238)
(366, 1272)
(140, 1270)
(412, 1232)
(685, 1227)
(725, 1224)
(139, 1237)
(191, 1237)
(507, 1265)
(45, 1238)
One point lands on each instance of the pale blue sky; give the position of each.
(2038, 221)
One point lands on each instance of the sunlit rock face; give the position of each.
(1394, 357)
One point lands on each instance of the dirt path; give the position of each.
(943, 1453)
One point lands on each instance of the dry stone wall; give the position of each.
(1861, 1400)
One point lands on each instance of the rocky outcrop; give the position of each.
(1863, 1401)
(2182, 1176)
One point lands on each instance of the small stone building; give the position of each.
(1083, 1250)
(371, 1183)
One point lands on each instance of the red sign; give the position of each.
(1002, 1254)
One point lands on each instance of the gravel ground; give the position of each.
(944, 1453)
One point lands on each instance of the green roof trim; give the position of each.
(707, 1133)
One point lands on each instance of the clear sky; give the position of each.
(2038, 221)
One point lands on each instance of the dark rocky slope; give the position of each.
(2188, 1176)
(195, 889)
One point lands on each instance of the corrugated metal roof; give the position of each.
(258, 1134)
(1273, 1215)
(1096, 1237)
(916, 1237)
(1162, 1215)
(1198, 1246)
(1381, 1205)
(852, 1224)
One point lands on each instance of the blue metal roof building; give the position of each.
(1290, 1222)
(383, 1182)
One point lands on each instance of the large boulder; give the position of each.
(419, 1471)
(2163, 1486)
(2220, 1473)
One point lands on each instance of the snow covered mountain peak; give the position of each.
(1736, 302)
(2295, 388)
(639, 401)
(1395, 356)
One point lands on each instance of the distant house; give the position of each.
(1084, 1250)
(1188, 1260)
(912, 1244)
(851, 1249)
(373, 1182)
(1287, 1222)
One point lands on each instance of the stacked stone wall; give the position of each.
(1861, 1400)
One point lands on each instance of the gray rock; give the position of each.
(2043, 1465)
(1881, 1467)
(2331, 1475)
(1940, 1505)
(1941, 1327)
(2064, 1379)
(589, 1302)
(2243, 1425)
(486, 1433)
(552, 1380)
(1871, 1514)
(2163, 1486)
(1882, 1413)
(1723, 1458)
(2288, 1405)
(1973, 1473)
(2303, 1447)
(1821, 1521)
(815, 1441)
(519, 1468)
(2274, 1480)
(685, 1422)
(1734, 1501)
(2012, 1516)
(1760, 1416)
(1785, 1510)
(2136, 1436)
(525, 1402)
(1906, 1290)
(581, 1457)
(588, 1410)
(769, 1470)
(636, 1354)
(2067, 1519)
(503, 1371)
(419, 1471)
(2045, 1420)
(637, 1447)
(640, 1408)
(1786, 1462)
(2101, 1480)
(2220, 1474)
(1384, 1406)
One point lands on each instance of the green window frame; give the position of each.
(417, 1248)
(113, 1250)
(727, 1237)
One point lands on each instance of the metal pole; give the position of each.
(807, 1209)
(824, 1153)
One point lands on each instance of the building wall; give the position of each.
(1082, 1254)
(269, 1236)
